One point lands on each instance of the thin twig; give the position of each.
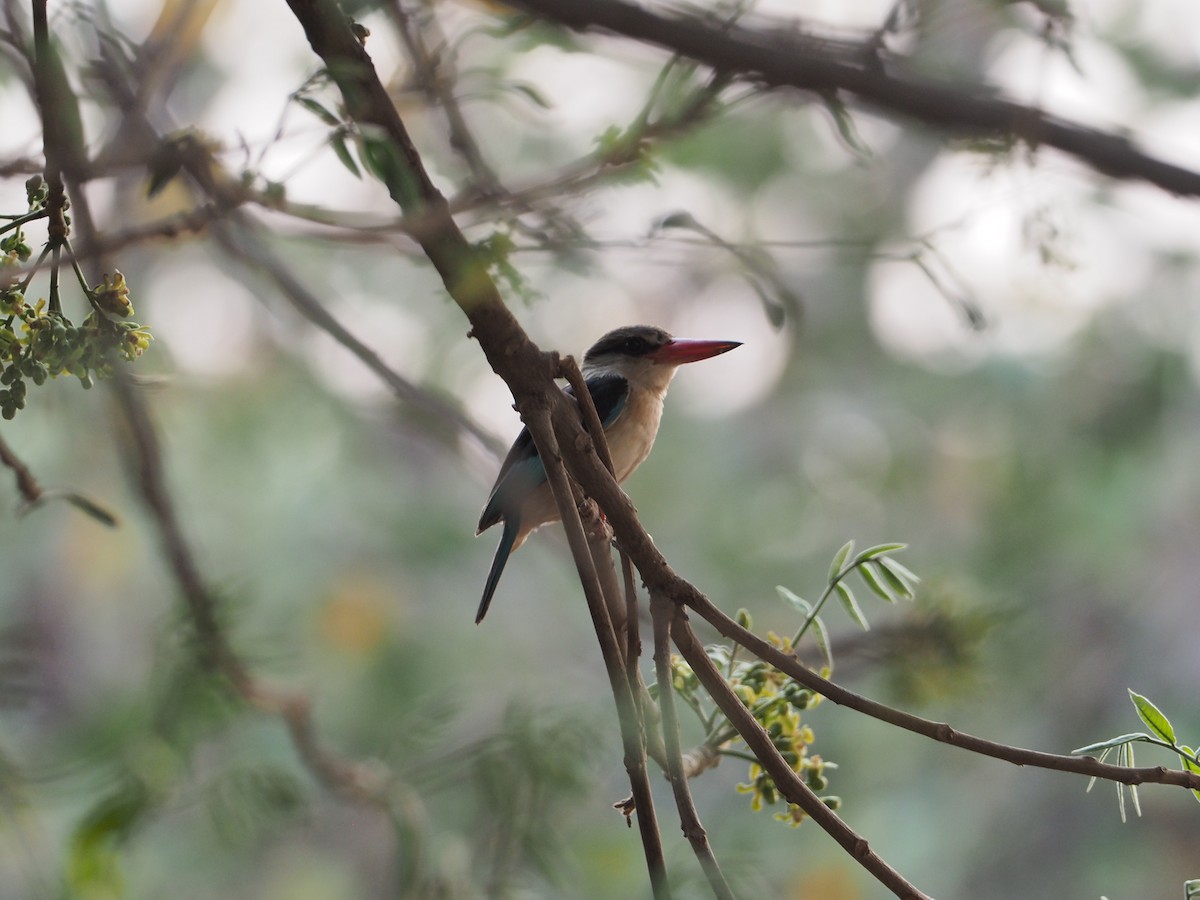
(241, 239)
(27, 483)
(689, 818)
(435, 77)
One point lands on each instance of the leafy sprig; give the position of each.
(1162, 734)
(884, 577)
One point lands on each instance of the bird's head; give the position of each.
(646, 353)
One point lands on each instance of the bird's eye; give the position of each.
(634, 346)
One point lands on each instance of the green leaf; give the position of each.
(337, 141)
(1133, 791)
(318, 110)
(249, 803)
(888, 568)
(851, 606)
(839, 560)
(93, 861)
(795, 601)
(875, 582)
(1090, 749)
(879, 550)
(385, 161)
(1121, 757)
(821, 636)
(1190, 765)
(1153, 717)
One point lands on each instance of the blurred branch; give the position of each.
(239, 237)
(355, 781)
(34, 495)
(435, 77)
(27, 484)
(780, 58)
(65, 156)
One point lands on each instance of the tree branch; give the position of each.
(27, 483)
(789, 783)
(778, 58)
(937, 731)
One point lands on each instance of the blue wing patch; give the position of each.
(609, 394)
(522, 469)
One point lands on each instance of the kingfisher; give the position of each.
(627, 373)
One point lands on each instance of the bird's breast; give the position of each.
(632, 435)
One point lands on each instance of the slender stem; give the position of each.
(689, 818)
(34, 269)
(55, 304)
(816, 610)
(79, 276)
(27, 483)
(25, 219)
(633, 637)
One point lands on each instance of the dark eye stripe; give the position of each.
(623, 342)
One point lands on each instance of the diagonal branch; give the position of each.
(789, 783)
(778, 58)
(937, 731)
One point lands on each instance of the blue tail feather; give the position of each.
(512, 525)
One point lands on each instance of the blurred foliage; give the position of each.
(1040, 467)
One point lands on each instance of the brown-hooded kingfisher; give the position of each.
(627, 373)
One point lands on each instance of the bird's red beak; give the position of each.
(679, 352)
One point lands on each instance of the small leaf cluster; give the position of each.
(37, 343)
(777, 703)
(1162, 734)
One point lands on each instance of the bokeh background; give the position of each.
(985, 351)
